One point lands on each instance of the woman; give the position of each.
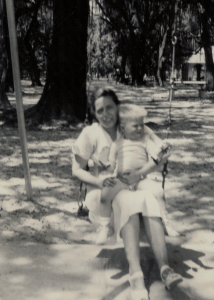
(94, 143)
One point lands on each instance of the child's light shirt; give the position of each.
(129, 155)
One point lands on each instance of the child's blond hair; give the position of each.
(130, 112)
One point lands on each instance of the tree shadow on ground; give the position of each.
(116, 260)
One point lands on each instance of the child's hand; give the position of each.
(166, 146)
(165, 157)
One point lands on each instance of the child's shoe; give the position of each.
(169, 277)
(103, 233)
(136, 292)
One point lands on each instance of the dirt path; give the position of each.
(46, 252)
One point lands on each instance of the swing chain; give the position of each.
(79, 201)
(164, 174)
(165, 170)
(174, 40)
(82, 211)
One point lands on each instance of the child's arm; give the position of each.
(137, 175)
(156, 151)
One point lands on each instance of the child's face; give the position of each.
(133, 129)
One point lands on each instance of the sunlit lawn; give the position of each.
(51, 217)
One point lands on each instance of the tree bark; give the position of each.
(206, 40)
(64, 95)
(123, 68)
(4, 102)
(33, 69)
(160, 56)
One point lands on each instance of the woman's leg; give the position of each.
(155, 234)
(130, 235)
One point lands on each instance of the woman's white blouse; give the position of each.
(94, 143)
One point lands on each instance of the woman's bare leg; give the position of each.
(155, 234)
(130, 235)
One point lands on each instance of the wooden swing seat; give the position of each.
(191, 85)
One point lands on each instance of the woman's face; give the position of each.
(106, 112)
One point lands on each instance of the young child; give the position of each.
(131, 152)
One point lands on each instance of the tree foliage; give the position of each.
(132, 36)
(141, 32)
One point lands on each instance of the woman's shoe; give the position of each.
(169, 277)
(138, 293)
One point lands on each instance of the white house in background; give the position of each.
(194, 68)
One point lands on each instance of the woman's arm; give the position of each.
(78, 170)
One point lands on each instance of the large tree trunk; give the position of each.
(137, 67)
(123, 68)
(160, 55)
(206, 40)
(33, 69)
(4, 102)
(64, 95)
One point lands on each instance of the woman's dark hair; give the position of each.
(102, 92)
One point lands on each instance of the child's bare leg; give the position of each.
(107, 195)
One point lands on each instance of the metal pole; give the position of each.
(18, 93)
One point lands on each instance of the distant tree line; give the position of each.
(61, 41)
(136, 36)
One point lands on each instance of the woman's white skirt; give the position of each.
(125, 204)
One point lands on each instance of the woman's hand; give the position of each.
(129, 177)
(108, 182)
